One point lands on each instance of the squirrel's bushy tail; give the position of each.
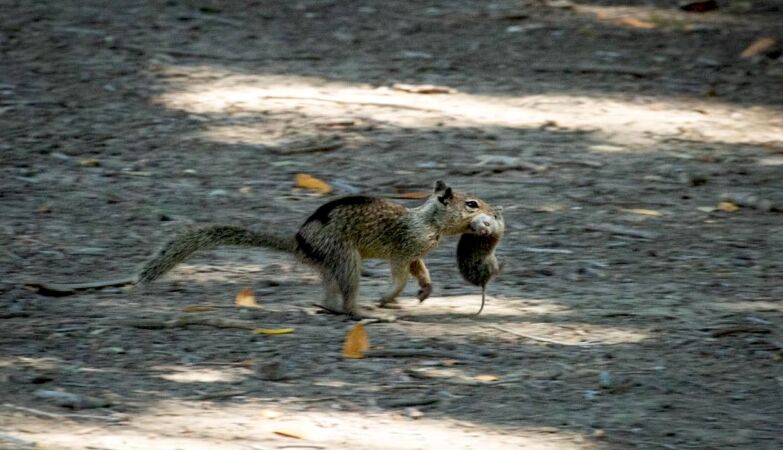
(193, 240)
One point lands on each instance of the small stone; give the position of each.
(271, 371)
(70, 400)
(413, 413)
(590, 394)
(605, 379)
(112, 350)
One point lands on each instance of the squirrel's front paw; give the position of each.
(424, 292)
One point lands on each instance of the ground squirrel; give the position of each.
(476, 254)
(341, 233)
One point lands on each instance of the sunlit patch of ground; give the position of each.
(633, 124)
(183, 374)
(256, 425)
(43, 363)
(516, 320)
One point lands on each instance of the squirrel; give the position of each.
(476, 254)
(341, 233)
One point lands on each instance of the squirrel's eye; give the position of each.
(472, 204)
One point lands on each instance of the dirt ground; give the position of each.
(634, 310)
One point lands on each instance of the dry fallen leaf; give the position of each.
(273, 331)
(288, 432)
(758, 46)
(423, 88)
(486, 378)
(197, 308)
(356, 342)
(245, 297)
(636, 23)
(643, 212)
(306, 181)
(247, 363)
(413, 195)
(89, 163)
(727, 206)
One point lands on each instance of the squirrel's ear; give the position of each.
(446, 197)
(440, 185)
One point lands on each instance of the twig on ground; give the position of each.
(519, 165)
(559, 251)
(351, 102)
(63, 289)
(407, 402)
(638, 72)
(751, 329)
(50, 415)
(219, 395)
(327, 309)
(573, 162)
(188, 320)
(417, 353)
(204, 55)
(621, 230)
(603, 201)
(212, 18)
(542, 339)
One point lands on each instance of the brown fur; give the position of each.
(341, 233)
(476, 254)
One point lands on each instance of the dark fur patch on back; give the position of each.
(307, 250)
(321, 214)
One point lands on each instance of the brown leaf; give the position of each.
(758, 46)
(247, 363)
(306, 181)
(197, 308)
(356, 342)
(423, 88)
(486, 378)
(636, 23)
(291, 433)
(245, 297)
(643, 212)
(273, 331)
(727, 206)
(89, 163)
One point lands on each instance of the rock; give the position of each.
(70, 400)
(605, 379)
(414, 413)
